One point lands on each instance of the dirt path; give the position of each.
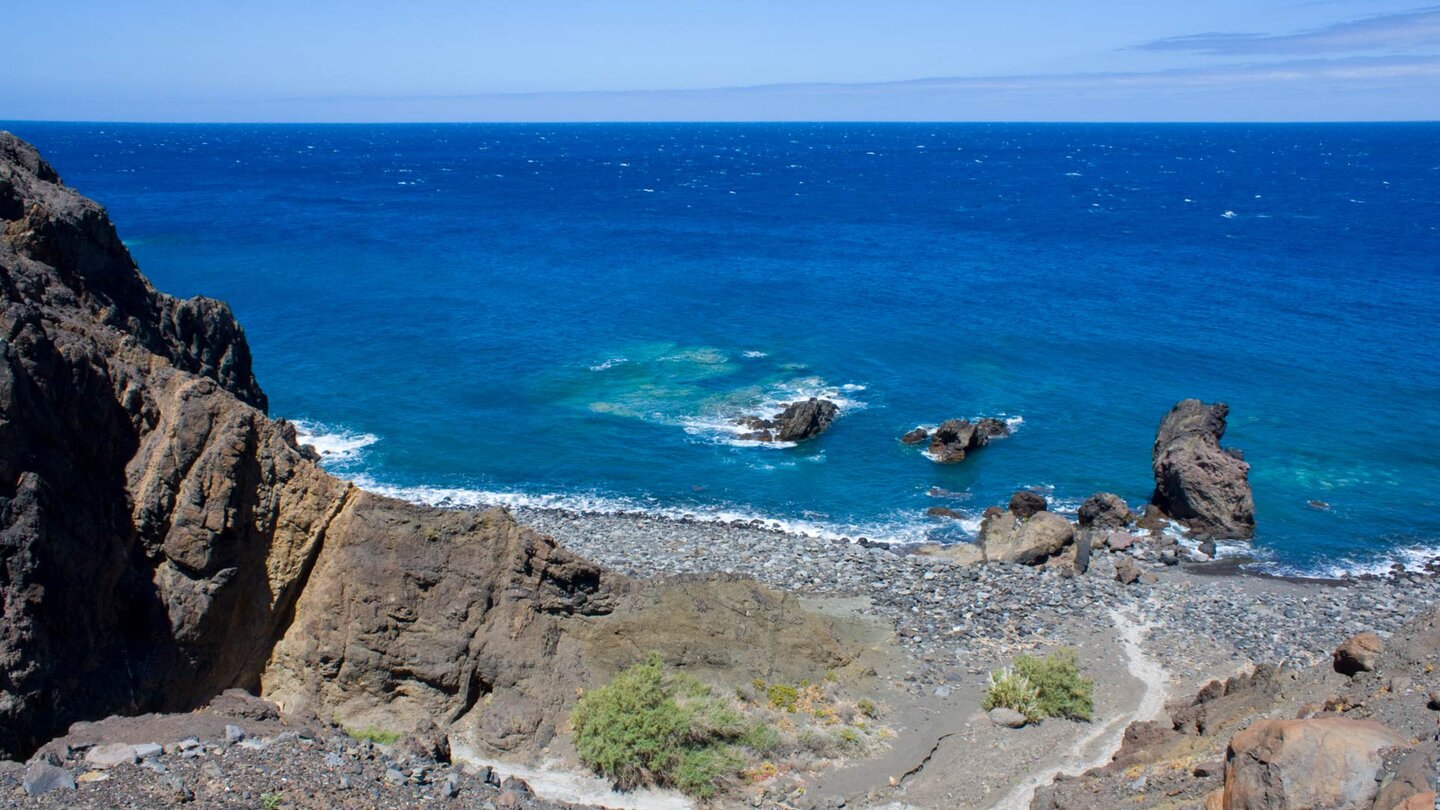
(560, 785)
(1099, 746)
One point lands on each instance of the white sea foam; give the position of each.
(903, 529)
(754, 354)
(1413, 558)
(334, 444)
(609, 363)
(721, 424)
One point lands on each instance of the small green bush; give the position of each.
(783, 696)
(1043, 687)
(375, 735)
(653, 727)
(1062, 690)
(270, 801)
(1011, 690)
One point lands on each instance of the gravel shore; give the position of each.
(960, 620)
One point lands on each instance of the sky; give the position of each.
(721, 60)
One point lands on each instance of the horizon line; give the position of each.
(730, 122)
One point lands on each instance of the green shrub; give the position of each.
(783, 696)
(1062, 690)
(270, 801)
(653, 727)
(1011, 690)
(375, 735)
(867, 707)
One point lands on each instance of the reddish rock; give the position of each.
(1357, 654)
(1322, 762)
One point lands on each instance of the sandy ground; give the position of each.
(947, 753)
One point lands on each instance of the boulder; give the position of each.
(915, 436)
(1321, 762)
(104, 757)
(1198, 483)
(958, 553)
(1119, 541)
(943, 511)
(1358, 653)
(1126, 571)
(41, 777)
(1025, 503)
(805, 420)
(1006, 718)
(1105, 510)
(1006, 538)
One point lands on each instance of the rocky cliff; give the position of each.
(163, 540)
(159, 534)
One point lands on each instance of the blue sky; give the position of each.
(545, 60)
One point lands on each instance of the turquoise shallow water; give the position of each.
(569, 315)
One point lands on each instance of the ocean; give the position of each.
(575, 315)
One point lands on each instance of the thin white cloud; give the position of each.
(1390, 33)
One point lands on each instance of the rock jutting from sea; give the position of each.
(799, 421)
(954, 439)
(1198, 483)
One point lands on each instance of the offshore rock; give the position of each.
(955, 438)
(799, 421)
(805, 420)
(1198, 483)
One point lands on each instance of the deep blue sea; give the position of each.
(572, 315)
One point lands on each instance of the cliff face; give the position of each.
(158, 530)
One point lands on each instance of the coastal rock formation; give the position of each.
(915, 436)
(1282, 738)
(157, 529)
(163, 540)
(1199, 484)
(955, 438)
(1007, 538)
(1321, 762)
(799, 421)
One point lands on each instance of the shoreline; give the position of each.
(960, 621)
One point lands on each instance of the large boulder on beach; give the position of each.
(956, 438)
(805, 420)
(1320, 762)
(1007, 538)
(1105, 510)
(1197, 482)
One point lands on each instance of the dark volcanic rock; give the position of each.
(805, 420)
(1024, 504)
(1104, 510)
(956, 438)
(799, 421)
(1197, 482)
(915, 436)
